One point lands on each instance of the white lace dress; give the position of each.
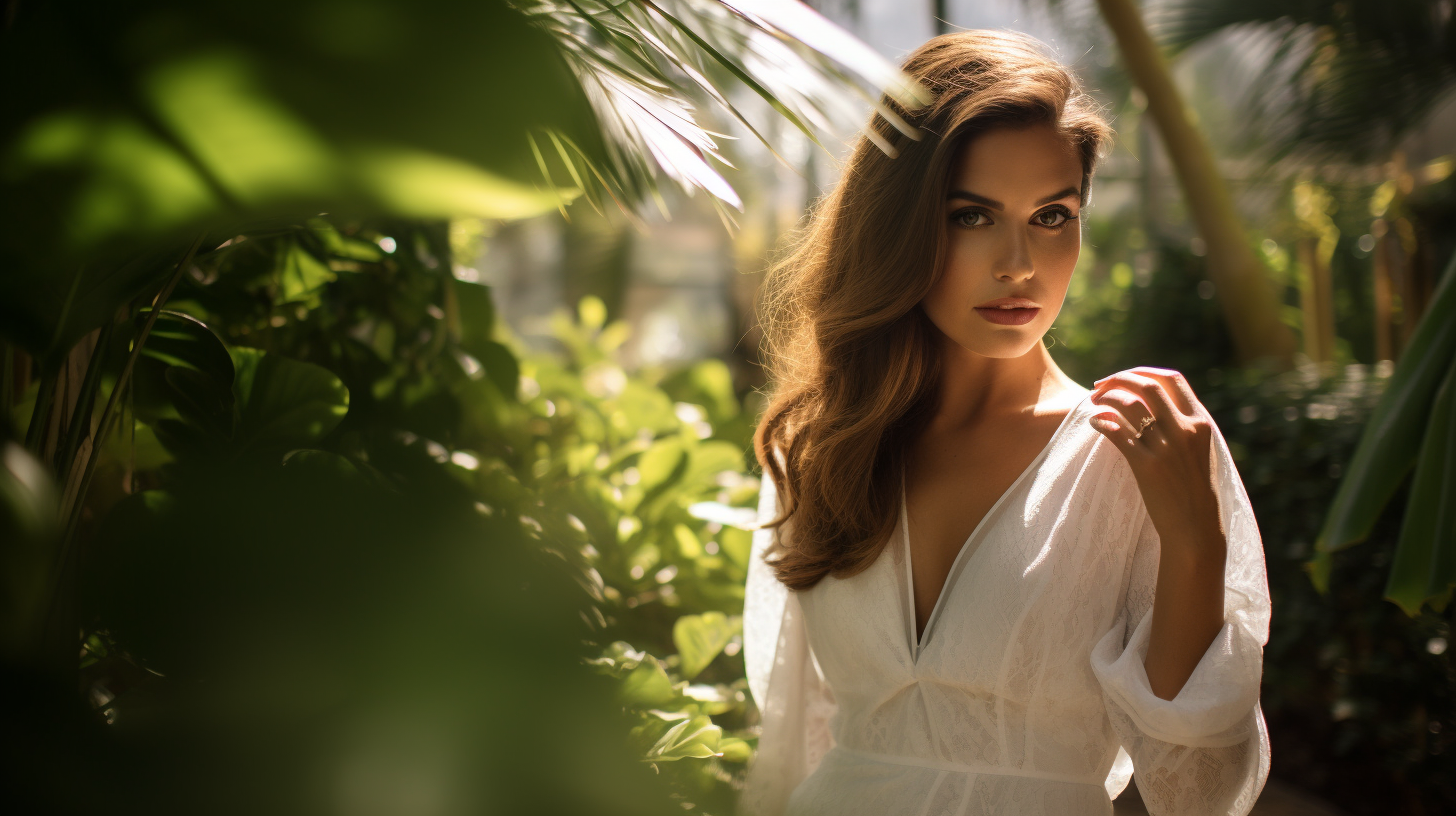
(1026, 693)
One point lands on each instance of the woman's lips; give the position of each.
(1009, 311)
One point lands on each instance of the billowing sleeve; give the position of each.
(1206, 751)
(794, 703)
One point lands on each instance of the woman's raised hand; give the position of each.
(1152, 416)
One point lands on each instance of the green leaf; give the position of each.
(715, 382)
(343, 246)
(285, 403)
(1392, 437)
(709, 459)
(687, 541)
(699, 639)
(477, 314)
(661, 462)
(737, 544)
(184, 372)
(300, 274)
(733, 749)
(696, 737)
(648, 686)
(1424, 566)
(643, 406)
(221, 119)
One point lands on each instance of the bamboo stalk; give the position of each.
(1251, 305)
(1384, 333)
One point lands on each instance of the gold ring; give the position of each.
(1143, 426)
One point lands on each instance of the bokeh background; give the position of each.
(379, 377)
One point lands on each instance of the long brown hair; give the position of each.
(851, 356)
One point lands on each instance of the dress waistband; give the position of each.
(956, 767)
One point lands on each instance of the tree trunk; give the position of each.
(1251, 305)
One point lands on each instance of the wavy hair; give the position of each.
(853, 360)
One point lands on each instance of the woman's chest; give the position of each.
(1036, 585)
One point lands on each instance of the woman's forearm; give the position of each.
(1187, 609)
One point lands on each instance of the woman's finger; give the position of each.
(1116, 430)
(1152, 393)
(1174, 383)
(1127, 408)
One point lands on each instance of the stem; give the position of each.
(73, 512)
(1251, 306)
(85, 403)
(38, 415)
(103, 427)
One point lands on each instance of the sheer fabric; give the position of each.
(1026, 692)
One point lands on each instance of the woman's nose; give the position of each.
(1015, 264)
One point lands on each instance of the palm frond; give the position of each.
(647, 65)
(1345, 79)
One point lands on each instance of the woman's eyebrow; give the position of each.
(996, 205)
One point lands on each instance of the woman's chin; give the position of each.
(1003, 343)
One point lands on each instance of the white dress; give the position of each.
(1026, 693)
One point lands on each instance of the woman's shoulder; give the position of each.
(1077, 448)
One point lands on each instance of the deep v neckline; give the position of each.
(966, 552)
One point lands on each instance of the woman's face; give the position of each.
(1012, 240)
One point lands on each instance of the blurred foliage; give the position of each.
(345, 486)
(336, 559)
(645, 473)
(1413, 429)
(162, 119)
(1343, 81)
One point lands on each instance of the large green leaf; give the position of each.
(185, 372)
(1424, 566)
(154, 120)
(285, 403)
(693, 737)
(648, 685)
(699, 639)
(1393, 436)
(300, 274)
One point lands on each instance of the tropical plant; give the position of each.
(221, 234)
(1413, 429)
(1251, 306)
(1350, 81)
(178, 119)
(1338, 81)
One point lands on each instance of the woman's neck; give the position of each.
(974, 387)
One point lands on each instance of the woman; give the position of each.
(981, 588)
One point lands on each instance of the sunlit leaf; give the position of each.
(300, 274)
(699, 639)
(1423, 568)
(661, 461)
(1393, 435)
(694, 737)
(647, 685)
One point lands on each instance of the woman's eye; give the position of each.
(971, 218)
(1052, 218)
